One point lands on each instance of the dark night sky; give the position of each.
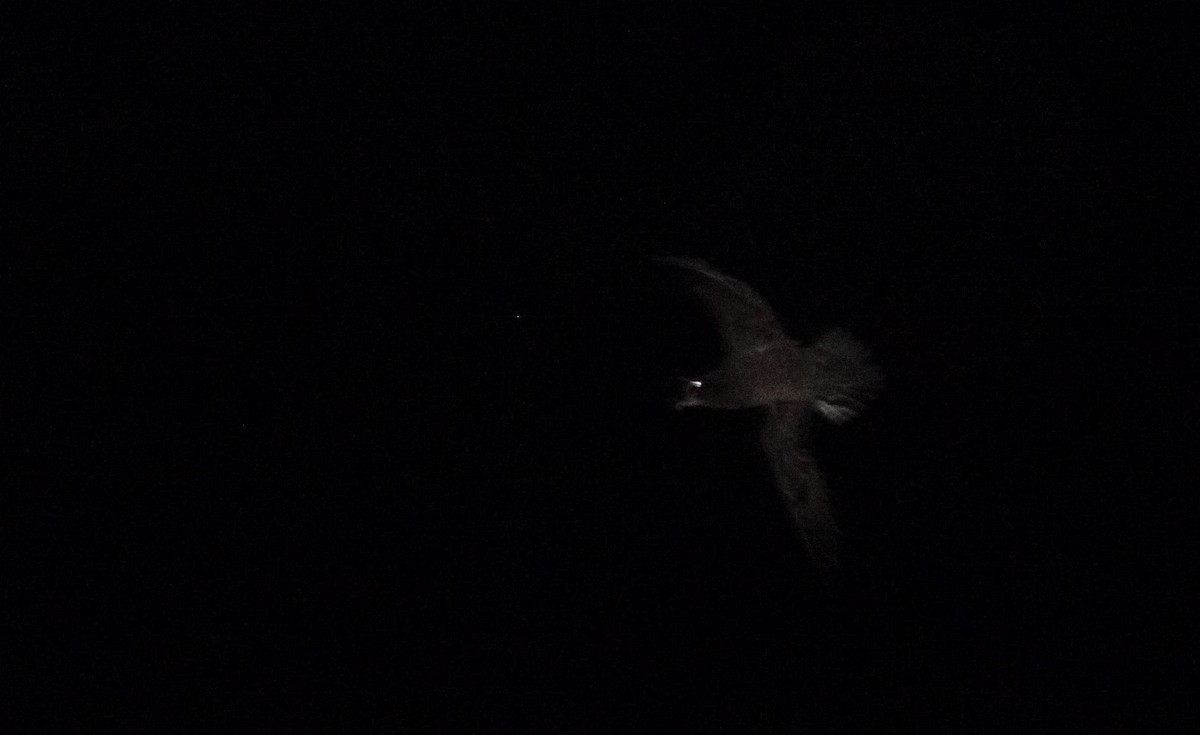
(361, 373)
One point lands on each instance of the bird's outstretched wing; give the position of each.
(744, 319)
(784, 438)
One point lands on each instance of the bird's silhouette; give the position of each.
(763, 367)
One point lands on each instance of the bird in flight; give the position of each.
(763, 367)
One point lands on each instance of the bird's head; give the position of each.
(691, 393)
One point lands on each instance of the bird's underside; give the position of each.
(763, 367)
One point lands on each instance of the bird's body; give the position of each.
(763, 367)
(779, 371)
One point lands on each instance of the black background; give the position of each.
(350, 402)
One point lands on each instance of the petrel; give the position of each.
(763, 367)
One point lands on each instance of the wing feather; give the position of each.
(800, 482)
(744, 319)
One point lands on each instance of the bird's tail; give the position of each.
(846, 380)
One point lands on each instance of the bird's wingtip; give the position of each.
(680, 261)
